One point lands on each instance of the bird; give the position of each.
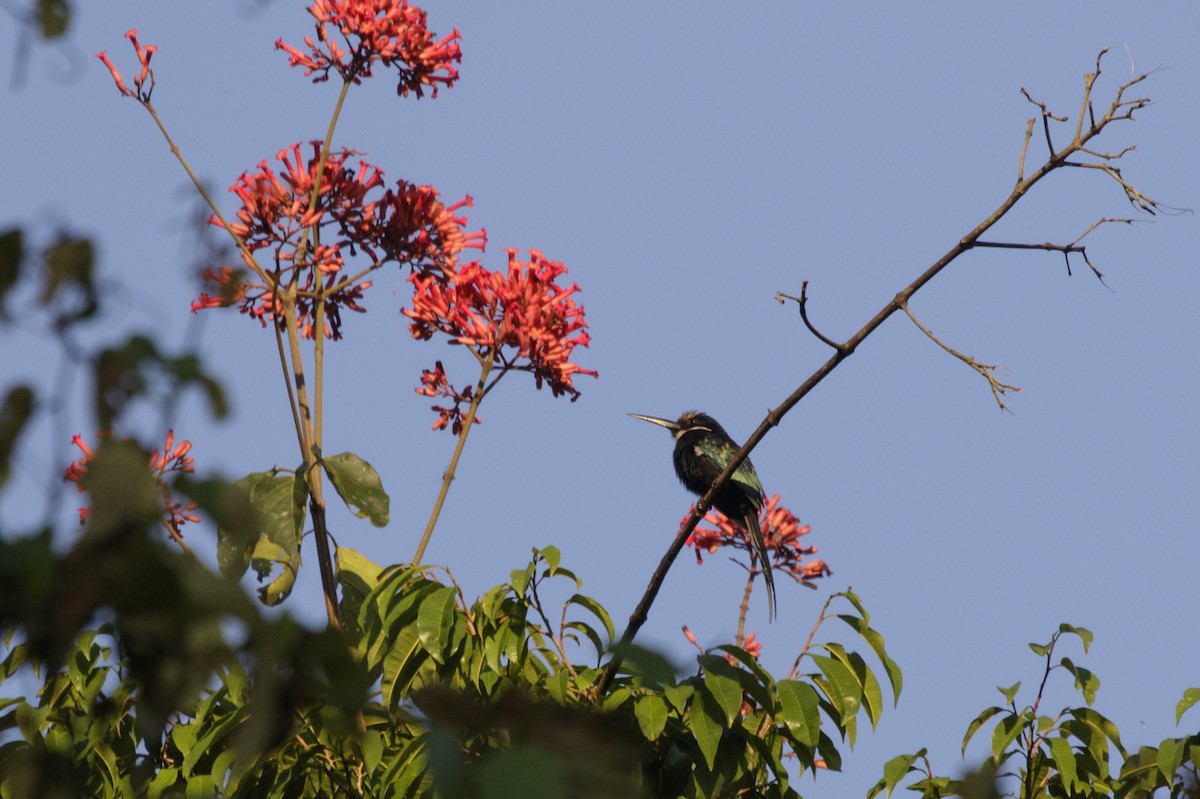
(702, 451)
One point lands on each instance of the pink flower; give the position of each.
(390, 32)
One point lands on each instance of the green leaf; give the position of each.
(679, 695)
(280, 504)
(12, 252)
(68, 265)
(1100, 724)
(1086, 682)
(1170, 757)
(523, 772)
(53, 18)
(14, 413)
(231, 507)
(841, 686)
(1064, 761)
(358, 576)
(868, 686)
(704, 720)
(1010, 693)
(434, 619)
(552, 556)
(651, 667)
(372, 749)
(397, 663)
(754, 680)
(829, 753)
(1190, 697)
(721, 681)
(124, 495)
(1005, 733)
(1085, 635)
(895, 770)
(651, 713)
(359, 486)
(597, 610)
(875, 641)
(799, 710)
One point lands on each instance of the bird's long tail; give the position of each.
(763, 557)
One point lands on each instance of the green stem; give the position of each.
(448, 475)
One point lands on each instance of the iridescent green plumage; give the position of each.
(702, 451)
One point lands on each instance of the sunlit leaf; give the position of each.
(1170, 757)
(1085, 635)
(875, 641)
(799, 710)
(1190, 697)
(1064, 761)
(1004, 734)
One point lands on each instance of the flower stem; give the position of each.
(468, 421)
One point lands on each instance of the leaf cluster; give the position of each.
(1074, 751)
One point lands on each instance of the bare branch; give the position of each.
(802, 302)
(1065, 249)
(1047, 115)
(1024, 150)
(1135, 197)
(986, 370)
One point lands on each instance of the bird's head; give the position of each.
(690, 421)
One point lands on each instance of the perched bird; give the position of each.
(702, 451)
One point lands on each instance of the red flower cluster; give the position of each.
(522, 318)
(388, 31)
(408, 225)
(145, 79)
(172, 458)
(782, 532)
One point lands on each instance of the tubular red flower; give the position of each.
(172, 458)
(406, 225)
(390, 32)
(435, 384)
(782, 532)
(144, 82)
(121, 87)
(522, 318)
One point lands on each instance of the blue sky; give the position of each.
(687, 163)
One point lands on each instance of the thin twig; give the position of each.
(802, 303)
(986, 370)
(1024, 150)
(1065, 249)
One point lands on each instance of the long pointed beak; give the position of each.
(667, 423)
